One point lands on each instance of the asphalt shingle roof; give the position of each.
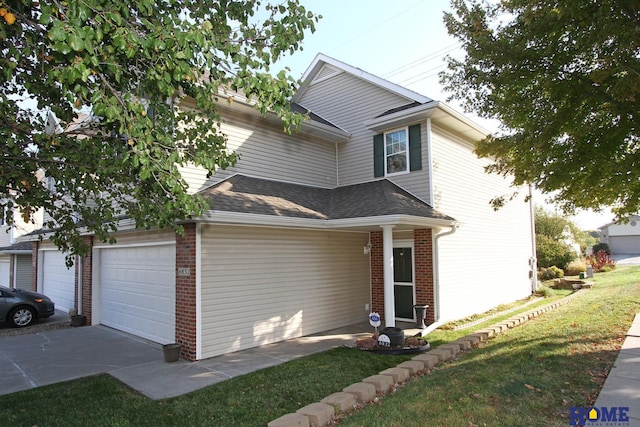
(245, 194)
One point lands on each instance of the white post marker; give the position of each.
(374, 320)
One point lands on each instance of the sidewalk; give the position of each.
(622, 387)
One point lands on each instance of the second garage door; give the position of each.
(58, 281)
(137, 291)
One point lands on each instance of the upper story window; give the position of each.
(396, 151)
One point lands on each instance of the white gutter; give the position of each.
(436, 272)
(225, 217)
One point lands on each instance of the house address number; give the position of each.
(184, 271)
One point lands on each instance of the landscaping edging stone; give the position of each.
(378, 385)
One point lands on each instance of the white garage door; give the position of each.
(137, 291)
(625, 244)
(58, 281)
(4, 272)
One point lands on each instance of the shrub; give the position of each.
(552, 272)
(551, 252)
(545, 291)
(601, 262)
(601, 247)
(576, 267)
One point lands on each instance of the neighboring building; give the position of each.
(378, 203)
(15, 250)
(622, 237)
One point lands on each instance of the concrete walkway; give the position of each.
(622, 387)
(56, 355)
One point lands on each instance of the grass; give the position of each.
(526, 377)
(529, 376)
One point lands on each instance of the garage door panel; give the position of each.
(4, 272)
(138, 291)
(58, 281)
(625, 244)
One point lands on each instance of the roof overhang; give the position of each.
(17, 252)
(365, 224)
(440, 114)
(236, 102)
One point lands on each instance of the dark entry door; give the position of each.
(403, 282)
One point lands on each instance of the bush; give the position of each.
(601, 262)
(551, 252)
(545, 291)
(552, 272)
(576, 267)
(601, 247)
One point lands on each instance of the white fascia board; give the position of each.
(322, 59)
(289, 222)
(399, 220)
(437, 111)
(329, 133)
(404, 116)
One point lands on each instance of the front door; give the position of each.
(403, 284)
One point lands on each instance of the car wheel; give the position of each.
(21, 317)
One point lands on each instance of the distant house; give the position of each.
(378, 203)
(15, 250)
(622, 237)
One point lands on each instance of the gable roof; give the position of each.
(418, 107)
(346, 206)
(319, 63)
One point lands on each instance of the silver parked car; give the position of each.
(19, 307)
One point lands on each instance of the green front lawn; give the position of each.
(526, 377)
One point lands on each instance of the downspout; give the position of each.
(337, 166)
(533, 262)
(436, 277)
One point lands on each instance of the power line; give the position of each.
(376, 26)
(427, 58)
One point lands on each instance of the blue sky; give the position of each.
(402, 41)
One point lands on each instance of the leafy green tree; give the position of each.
(563, 77)
(131, 65)
(551, 233)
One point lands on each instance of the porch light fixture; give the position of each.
(367, 248)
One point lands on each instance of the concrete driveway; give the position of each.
(57, 355)
(37, 359)
(627, 259)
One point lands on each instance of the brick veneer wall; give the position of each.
(423, 254)
(87, 280)
(186, 292)
(34, 265)
(377, 273)
(423, 258)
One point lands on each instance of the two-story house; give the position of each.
(377, 203)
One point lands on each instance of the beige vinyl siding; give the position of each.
(266, 151)
(348, 102)
(5, 235)
(485, 263)
(263, 285)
